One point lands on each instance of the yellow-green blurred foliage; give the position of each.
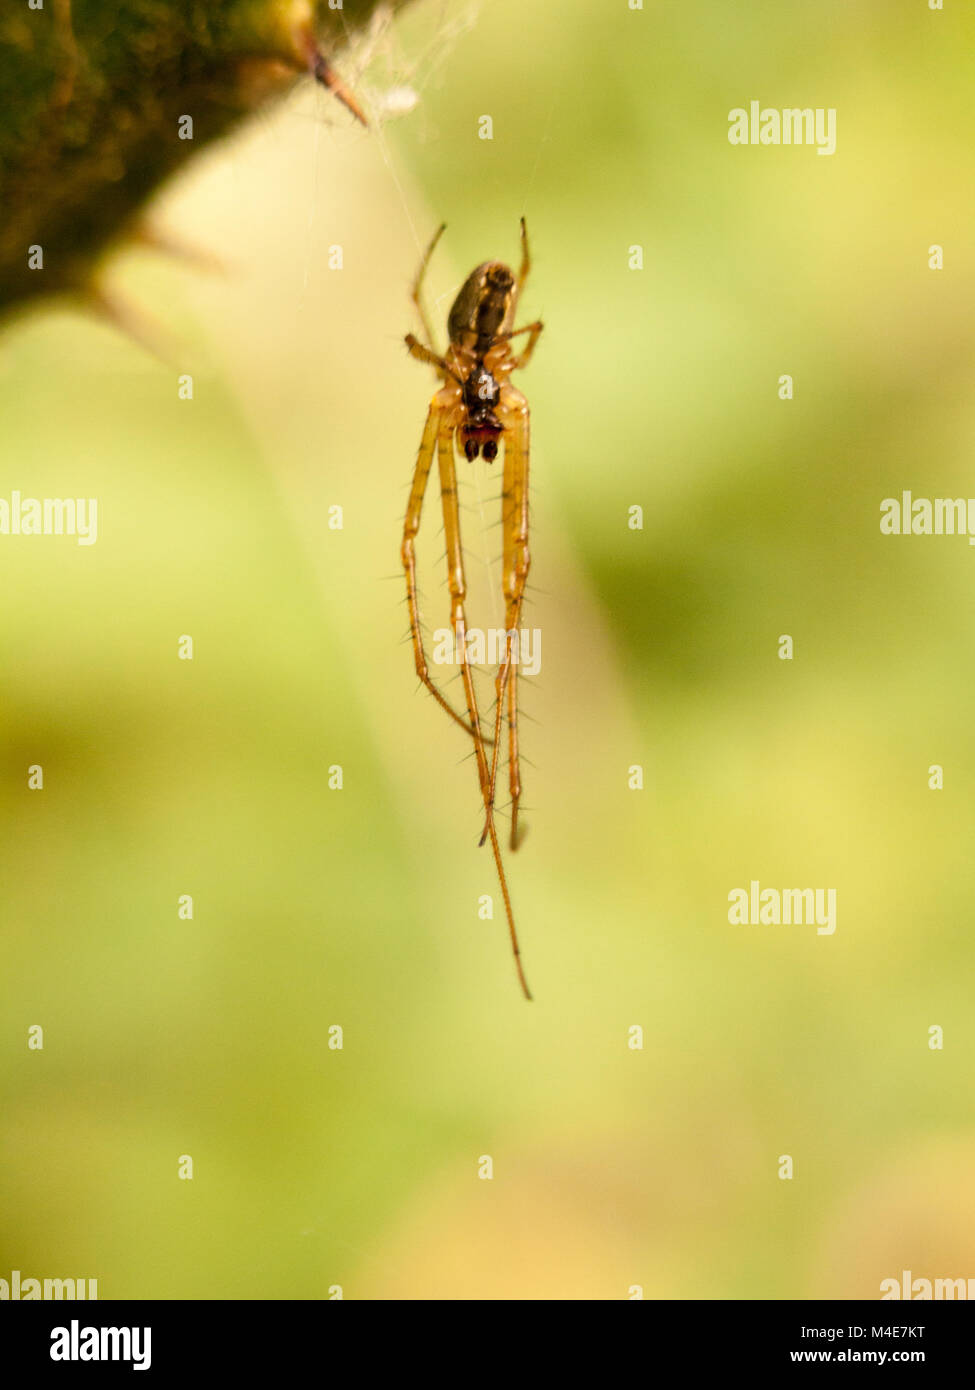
(358, 907)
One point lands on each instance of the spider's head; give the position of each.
(484, 307)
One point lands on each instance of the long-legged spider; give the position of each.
(479, 409)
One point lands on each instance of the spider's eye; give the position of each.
(470, 449)
(491, 450)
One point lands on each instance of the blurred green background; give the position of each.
(358, 907)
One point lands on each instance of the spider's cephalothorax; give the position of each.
(481, 428)
(478, 410)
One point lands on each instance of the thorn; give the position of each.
(133, 325)
(323, 72)
(148, 235)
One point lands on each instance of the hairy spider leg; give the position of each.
(417, 283)
(526, 260)
(449, 420)
(535, 332)
(424, 354)
(516, 556)
(513, 412)
(443, 402)
(445, 399)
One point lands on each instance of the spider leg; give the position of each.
(425, 354)
(458, 591)
(415, 292)
(442, 403)
(514, 760)
(524, 357)
(513, 412)
(526, 260)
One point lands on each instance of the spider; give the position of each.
(478, 409)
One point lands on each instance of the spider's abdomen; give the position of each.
(483, 306)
